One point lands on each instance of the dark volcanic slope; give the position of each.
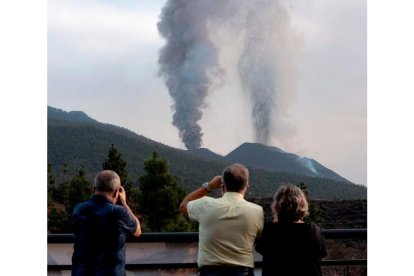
(206, 153)
(275, 159)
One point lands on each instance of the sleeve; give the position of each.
(260, 241)
(76, 217)
(261, 222)
(196, 207)
(125, 220)
(319, 240)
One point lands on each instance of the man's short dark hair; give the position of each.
(235, 177)
(106, 181)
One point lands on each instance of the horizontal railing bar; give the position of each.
(187, 237)
(362, 262)
(144, 238)
(178, 237)
(344, 262)
(360, 233)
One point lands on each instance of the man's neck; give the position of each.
(107, 195)
(241, 192)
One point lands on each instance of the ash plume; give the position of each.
(187, 62)
(266, 66)
(190, 65)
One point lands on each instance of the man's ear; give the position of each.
(115, 193)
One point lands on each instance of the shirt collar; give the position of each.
(232, 195)
(101, 198)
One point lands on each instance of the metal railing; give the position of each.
(190, 237)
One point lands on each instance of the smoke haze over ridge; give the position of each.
(190, 66)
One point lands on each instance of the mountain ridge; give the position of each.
(273, 158)
(74, 116)
(85, 142)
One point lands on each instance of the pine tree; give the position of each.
(71, 192)
(50, 184)
(65, 171)
(79, 190)
(117, 164)
(304, 188)
(315, 214)
(161, 196)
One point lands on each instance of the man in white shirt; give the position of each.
(228, 226)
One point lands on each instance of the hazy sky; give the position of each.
(102, 59)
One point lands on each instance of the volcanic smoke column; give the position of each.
(266, 66)
(186, 62)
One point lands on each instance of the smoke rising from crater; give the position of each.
(186, 61)
(266, 65)
(189, 60)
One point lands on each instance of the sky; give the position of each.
(102, 59)
(25, 91)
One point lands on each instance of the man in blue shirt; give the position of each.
(100, 227)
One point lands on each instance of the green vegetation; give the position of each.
(64, 199)
(78, 189)
(161, 198)
(117, 164)
(315, 214)
(78, 149)
(50, 185)
(157, 198)
(82, 142)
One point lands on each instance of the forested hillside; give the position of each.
(84, 142)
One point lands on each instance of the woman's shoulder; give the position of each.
(284, 226)
(315, 231)
(314, 227)
(305, 227)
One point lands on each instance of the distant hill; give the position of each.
(76, 139)
(206, 153)
(275, 159)
(72, 116)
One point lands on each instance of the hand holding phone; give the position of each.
(122, 195)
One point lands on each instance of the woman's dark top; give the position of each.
(291, 249)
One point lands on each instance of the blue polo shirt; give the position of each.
(100, 229)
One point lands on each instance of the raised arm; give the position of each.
(214, 183)
(122, 197)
